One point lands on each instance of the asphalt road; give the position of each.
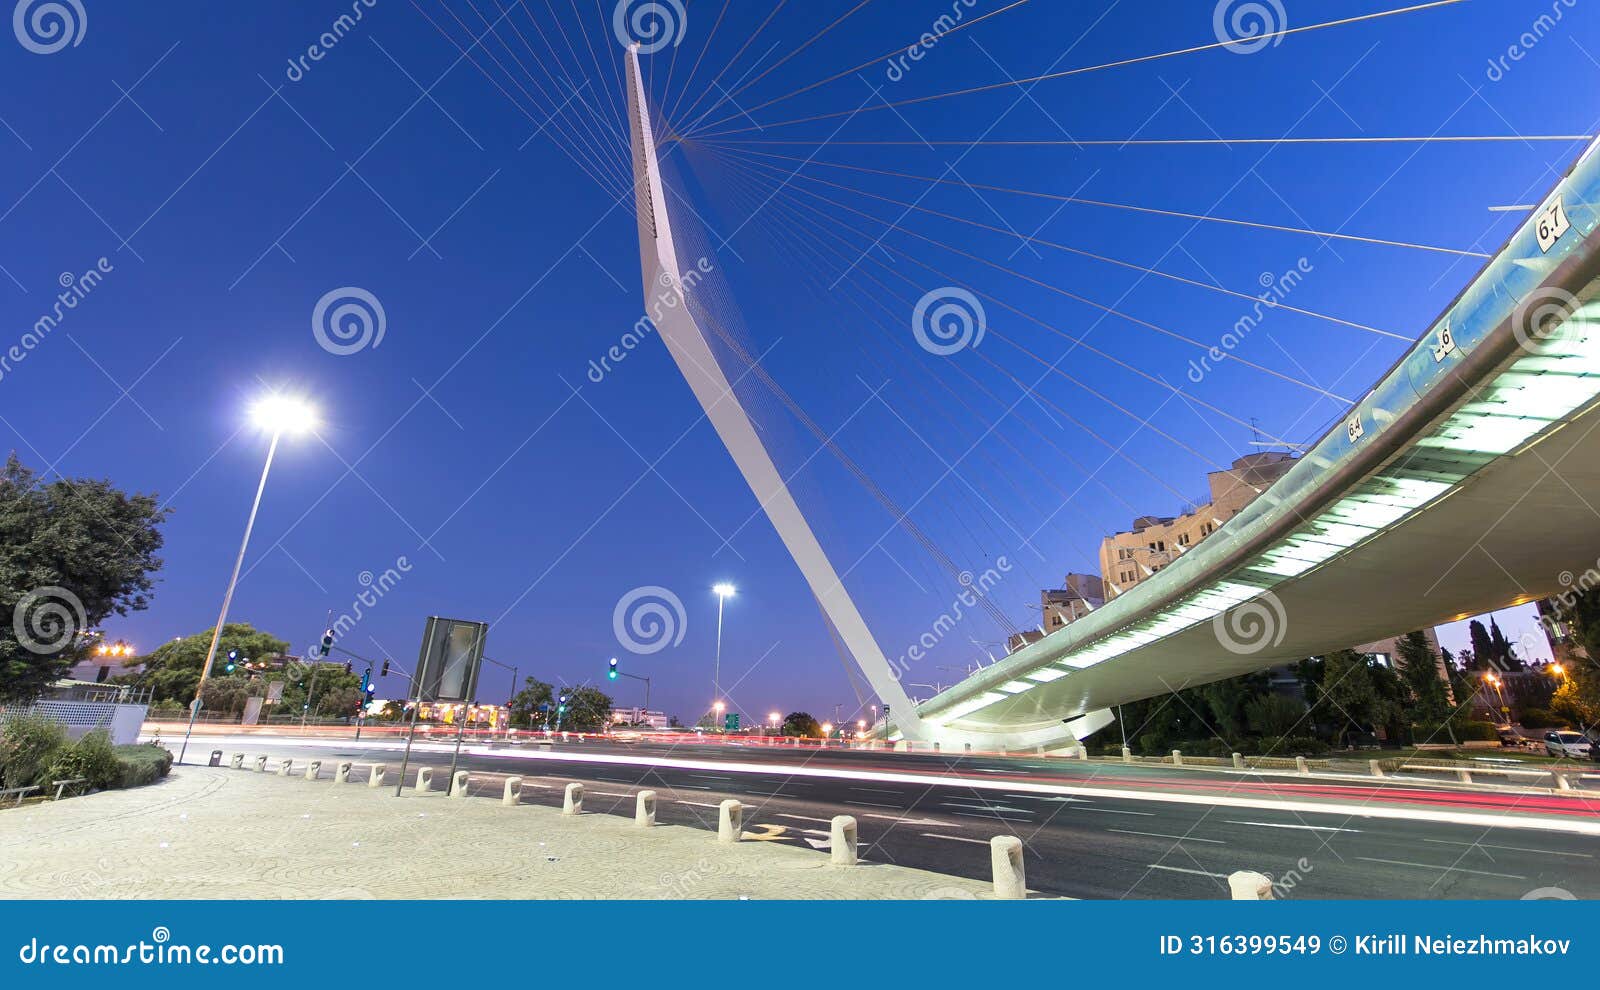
(1079, 840)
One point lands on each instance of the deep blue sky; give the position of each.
(228, 199)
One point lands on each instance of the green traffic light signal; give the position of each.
(611, 672)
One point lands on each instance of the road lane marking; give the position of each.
(1179, 869)
(1047, 797)
(869, 804)
(1116, 811)
(609, 794)
(1444, 869)
(1163, 835)
(697, 804)
(1307, 828)
(953, 838)
(996, 808)
(902, 820)
(1520, 849)
(807, 818)
(874, 790)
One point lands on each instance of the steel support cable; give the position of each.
(991, 505)
(815, 36)
(812, 269)
(594, 57)
(1088, 302)
(1106, 204)
(595, 144)
(1077, 342)
(1080, 70)
(677, 100)
(575, 152)
(901, 517)
(883, 322)
(1063, 412)
(1089, 474)
(593, 134)
(1131, 266)
(1147, 142)
(856, 68)
(730, 63)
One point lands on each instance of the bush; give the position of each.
(1475, 730)
(167, 708)
(1293, 746)
(28, 745)
(1541, 718)
(91, 759)
(142, 764)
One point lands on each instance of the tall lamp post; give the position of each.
(724, 591)
(275, 414)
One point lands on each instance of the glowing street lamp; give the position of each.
(724, 591)
(276, 414)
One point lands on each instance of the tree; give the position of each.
(1483, 654)
(1349, 695)
(72, 553)
(1578, 698)
(1505, 653)
(322, 690)
(1276, 715)
(802, 724)
(172, 669)
(1428, 702)
(588, 710)
(525, 704)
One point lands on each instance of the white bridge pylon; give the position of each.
(658, 260)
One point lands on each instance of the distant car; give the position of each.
(1508, 735)
(1573, 744)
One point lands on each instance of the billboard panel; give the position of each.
(447, 667)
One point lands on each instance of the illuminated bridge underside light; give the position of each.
(1560, 377)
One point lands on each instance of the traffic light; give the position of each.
(233, 661)
(563, 706)
(327, 642)
(611, 672)
(366, 682)
(347, 666)
(385, 672)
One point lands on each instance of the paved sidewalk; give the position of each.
(218, 833)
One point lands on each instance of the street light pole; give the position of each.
(227, 597)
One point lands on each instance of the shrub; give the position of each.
(91, 759)
(1541, 718)
(142, 764)
(1293, 746)
(28, 745)
(1475, 730)
(167, 708)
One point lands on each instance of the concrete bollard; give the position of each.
(1562, 783)
(644, 809)
(1238, 761)
(261, 764)
(580, 737)
(966, 747)
(237, 761)
(375, 779)
(1083, 754)
(512, 795)
(937, 747)
(341, 773)
(1464, 776)
(572, 800)
(1127, 755)
(730, 821)
(842, 837)
(1375, 767)
(1177, 758)
(285, 767)
(424, 779)
(458, 784)
(1300, 765)
(312, 769)
(1247, 885)
(1005, 856)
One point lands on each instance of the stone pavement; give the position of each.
(208, 832)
